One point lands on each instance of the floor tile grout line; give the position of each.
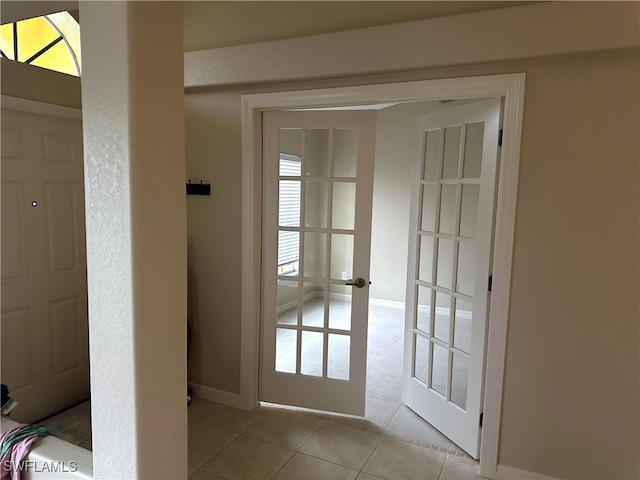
(285, 464)
(369, 457)
(442, 468)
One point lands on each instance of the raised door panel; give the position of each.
(14, 259)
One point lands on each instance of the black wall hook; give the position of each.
(198, 188)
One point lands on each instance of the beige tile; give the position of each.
(378, 414)
(341, 444)
(205, 443)
(397, 460)
(202, 475)
(408, 425)
(456, 448)
(86, 444)
(384, 385)
(249, 458)
(191, 470)
(458, 468)
(367, 476)
(284, 428)
(204, 413)
(304, 467)
(73, 436)
(82, 409)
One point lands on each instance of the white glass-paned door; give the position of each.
(450, 250)
(318, 176)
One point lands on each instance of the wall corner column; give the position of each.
(133, 122)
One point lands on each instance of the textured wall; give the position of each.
(571, 391)
(136, 237)
(555, 376)
(25, 81)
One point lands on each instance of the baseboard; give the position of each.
(215, 395)
(378, 302)
(505, 472)
(294, 303)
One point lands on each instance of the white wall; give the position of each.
(133, 113)
(571, 386)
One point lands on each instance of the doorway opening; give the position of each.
(510, 87)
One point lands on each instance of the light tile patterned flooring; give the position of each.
(277, 442)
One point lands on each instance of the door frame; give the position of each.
(509, 86)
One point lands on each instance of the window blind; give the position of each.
(289, 209)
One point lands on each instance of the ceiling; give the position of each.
(212, 24)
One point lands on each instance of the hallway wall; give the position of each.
(578, 166)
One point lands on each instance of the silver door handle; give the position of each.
(358, 282)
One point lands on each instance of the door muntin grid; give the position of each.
(444, 283)
(314, 308)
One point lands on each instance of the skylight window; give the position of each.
(51, 41)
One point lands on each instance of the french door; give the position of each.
(317, 187)
(448, 276)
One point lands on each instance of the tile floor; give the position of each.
(279, 442)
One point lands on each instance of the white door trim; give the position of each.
(31, 106)
(509, 86)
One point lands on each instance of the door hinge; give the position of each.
(481, 417)
(490, 286)
(500, 138)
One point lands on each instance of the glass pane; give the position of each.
(424, 309)
(315, 255)
(289, 203)
(429, 193)
(6, 40)
(316, 203)
(57, 58)
(425, 270)
(316, 153)
(311, 354)
(341, 256)
(462, 331)
(421, 359)
(33, 35)
(442, 317)
(469, 210)
(466, 267)
(439, 373)
(444, 266)
(432, 155)
(473, 150)
(345, 152)
(288, 253)
(344, 205)
(287, 302)
(459, 380)
(290, 144)
(286, 343)
(340, 309)
(313, 296)
(451, 152)
(448, 209)
(339, 354)
(70, 30)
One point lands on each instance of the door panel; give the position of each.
(451, 249)
(318, 177)
(45, 360)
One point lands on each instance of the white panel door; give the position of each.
(447, 286)
(45, 360)
(318, 180)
